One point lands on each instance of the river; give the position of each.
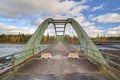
(6, 49)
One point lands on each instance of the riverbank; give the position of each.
(113, 52)
(15, 43)
(106, 42)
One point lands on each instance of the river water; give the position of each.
(6, 49)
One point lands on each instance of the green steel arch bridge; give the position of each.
(90, 63)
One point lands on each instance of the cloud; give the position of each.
(57, 9)
(4, 29)
(113, 31)
(37, 22)
(83, 1)
(14, 8)
(108, 18)
(89, 27)
(76, 11)
(97, 7)
(117, 9)
(23, 21)
(92, 30)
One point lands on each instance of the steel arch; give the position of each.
(87, 45)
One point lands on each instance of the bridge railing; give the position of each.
(11, 60)
(10, 63)
(113, 61)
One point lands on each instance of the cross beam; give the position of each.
(86, 43)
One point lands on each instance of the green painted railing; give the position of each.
(11, 62)
(112, 67)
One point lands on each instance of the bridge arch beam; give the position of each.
(87, 45)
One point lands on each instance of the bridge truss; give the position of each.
(87, 46)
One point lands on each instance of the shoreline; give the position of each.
(113, 52)
(95, 42)
(15, 43)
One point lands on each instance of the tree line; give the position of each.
(71, 39)
(75, 40)
(23, 38)
(10, 38)
(106, 39)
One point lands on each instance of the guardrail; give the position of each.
(9, 63)
(112, 67)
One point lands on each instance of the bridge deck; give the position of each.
(60, 67)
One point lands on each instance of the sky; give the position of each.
(97, 17)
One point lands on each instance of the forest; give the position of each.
(23, 38)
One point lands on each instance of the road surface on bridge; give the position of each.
(60, 67)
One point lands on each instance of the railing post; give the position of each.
(107, 58)
(13, 60)
(33, 50)
(40, 48)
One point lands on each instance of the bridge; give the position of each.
(60, 59)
